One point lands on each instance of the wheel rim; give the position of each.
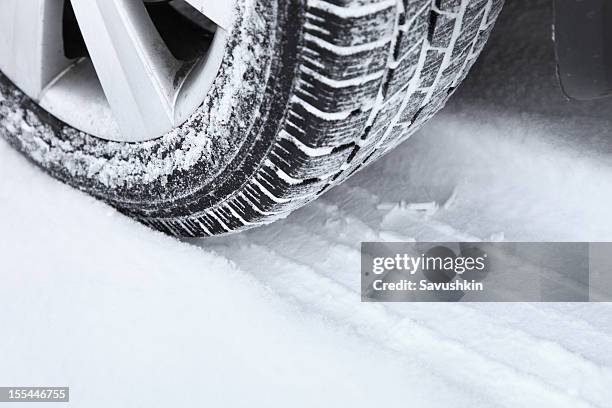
(133, 83)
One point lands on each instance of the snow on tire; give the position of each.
(308, 93)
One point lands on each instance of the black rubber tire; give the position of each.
(337, 84)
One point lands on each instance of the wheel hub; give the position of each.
(123, 70)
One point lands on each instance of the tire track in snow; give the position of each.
(546, 322)
(325, 251)
(321, 295)
(540, 353)
(584, 312)
(566, 327)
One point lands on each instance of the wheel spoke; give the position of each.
(31, 45)
(219, 11)
(134, 66)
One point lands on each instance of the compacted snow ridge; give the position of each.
(127, 316)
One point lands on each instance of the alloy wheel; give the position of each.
(123, 70)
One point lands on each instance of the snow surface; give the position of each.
(129, 317)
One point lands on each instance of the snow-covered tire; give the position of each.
(310, 91)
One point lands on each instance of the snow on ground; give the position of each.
(129, 317)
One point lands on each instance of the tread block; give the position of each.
(470, 31)
(385, 116)
(414, 32)
(315, 132)
(412, 108)
(281, 188)
(350, 31)
(433, 62)
(339, 67)
(337, 98)
(298, 164)
(441, 33)
(405, 70)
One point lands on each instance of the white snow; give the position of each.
(272, 317)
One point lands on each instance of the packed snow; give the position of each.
(127, 317)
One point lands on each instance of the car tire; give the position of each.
(309, 92)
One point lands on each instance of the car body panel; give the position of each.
(583, 42)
